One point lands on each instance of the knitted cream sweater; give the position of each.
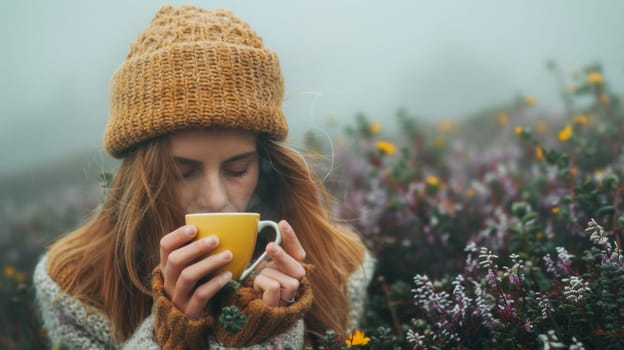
(78, 326)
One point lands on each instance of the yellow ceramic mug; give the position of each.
(237, 233)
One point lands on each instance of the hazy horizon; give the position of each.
(440, 60)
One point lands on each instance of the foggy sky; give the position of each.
(438, 59)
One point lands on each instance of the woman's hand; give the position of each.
(182, 271)
(279, 279)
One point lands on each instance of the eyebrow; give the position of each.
(242, 156)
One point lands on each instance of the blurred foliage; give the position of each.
(500, 231)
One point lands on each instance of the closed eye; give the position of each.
(187, 168)
(236, 173)
(188, 174)
(239, 166)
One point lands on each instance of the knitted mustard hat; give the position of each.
(194, 68)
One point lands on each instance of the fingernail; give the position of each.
(287, 226)
(209, 241)
(226, 255)
(189, 230)
(274, 248)
(227, 275)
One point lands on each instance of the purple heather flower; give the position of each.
(461, 299)
(486, 257)
(563, 267)
(550, 265)
(515, 280)
(528, 326)
(471, 263)
(544, 305)
(482, 190)
(506, 310)
(577, 345)
(564, 260)
(498, 221)
(550, 340)
(471, 247)
(576, 290)
(416, 339)
(514, 273)
(423, 293)
(491, 278)
(614, 257)
(483, 307)
(598, 235)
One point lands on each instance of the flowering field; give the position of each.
(500, 231)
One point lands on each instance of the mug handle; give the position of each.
(278, 240)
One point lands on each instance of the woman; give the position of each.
(195, 116)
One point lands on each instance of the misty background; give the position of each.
(438, 59)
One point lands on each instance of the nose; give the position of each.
(212, 196)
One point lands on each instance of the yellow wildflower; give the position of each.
(594, 78)
(539, 153)
(447, 126)
(530, 101)
(9, 271)
(374, 128)
(580, 119)
(555, 210)
(573, 171)
(541, 126)
(502, 118)
(432, 180)
(565, 133)
(518, 130)
(439, 142)
(539, 235)
(385, 147)
(357, 338)
(20, 277)
(470, 193)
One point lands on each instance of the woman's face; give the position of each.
(218, 169)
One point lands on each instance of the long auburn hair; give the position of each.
(106, 263)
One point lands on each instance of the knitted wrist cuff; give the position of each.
(172, 328)
(264, 321)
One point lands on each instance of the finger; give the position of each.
(204, 293)
(290, 242)
(175, 240)
(284, 262)
(270, 290)
(185, 255)
(181, 258)
(288, 284)
(192, 274)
